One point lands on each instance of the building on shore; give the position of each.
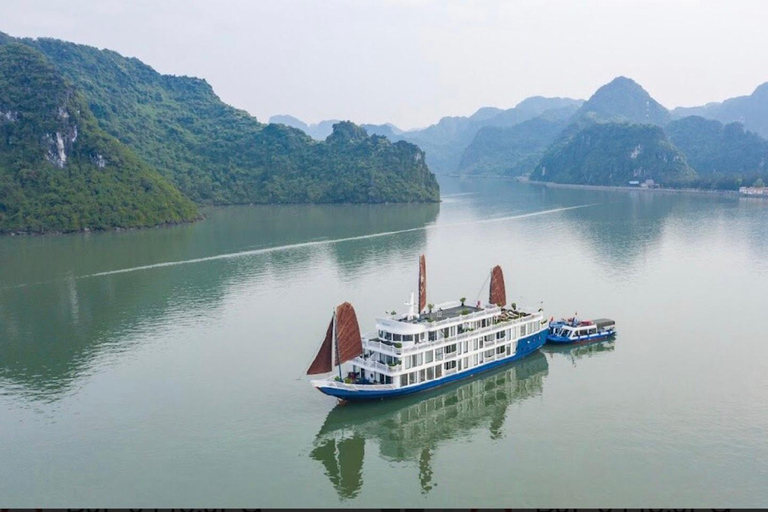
(753, 191)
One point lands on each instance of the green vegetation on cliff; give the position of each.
(217, 154)
(59, 171)
(614, 154)
(725, 157)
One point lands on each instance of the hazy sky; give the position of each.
(411, 62)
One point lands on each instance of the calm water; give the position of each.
(164, 367)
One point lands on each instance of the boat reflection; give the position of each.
(411, 428)
(579, 351)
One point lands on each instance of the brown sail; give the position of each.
(422, 283)
(348, 340)
(323, 361)
(498, 294)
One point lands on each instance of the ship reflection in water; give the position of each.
(409, 429)
(575, 352)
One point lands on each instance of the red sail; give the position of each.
(323, 362)
(348, 340)
(498, 293)
(422, 283)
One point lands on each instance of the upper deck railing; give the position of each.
(391, 349)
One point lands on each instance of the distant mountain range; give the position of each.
(446, 141)
(751, 111)
(619, 134)
(90, 139)
(622, 134)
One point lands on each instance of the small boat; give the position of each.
(573, 330)
(426, 347)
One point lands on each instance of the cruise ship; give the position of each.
(427, 347)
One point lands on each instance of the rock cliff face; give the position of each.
(58, 170)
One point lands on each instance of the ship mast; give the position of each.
(336, 345)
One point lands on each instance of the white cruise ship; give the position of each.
(429, 346)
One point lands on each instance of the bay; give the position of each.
(163, 367)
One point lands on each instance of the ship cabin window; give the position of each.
(488, 337)
(452, 330)
(429, 356)
(450, 365)
(446, 332)
(387, 335)
(500, 335)
(508, 350)
(466, 346)
(438, 371)
(419, 359)
(500, 350)
(466, 363)
(438, 354)
(432, 335)
(474, 360)
(450, 349)
(422, 375)
(404, 380)
(523, 330)
(397, 337)
(407, 337)
(474, 344)
(480, 343)
(408, 363)
(412, 378)
(430, 373)
(489, 354)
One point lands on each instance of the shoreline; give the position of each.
(619, 188)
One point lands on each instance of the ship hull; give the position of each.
(561, 340)
(525, 347)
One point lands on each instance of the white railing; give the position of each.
(467, 335)
(382, 347)
(376, 365)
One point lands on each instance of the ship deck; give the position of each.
(444, 314)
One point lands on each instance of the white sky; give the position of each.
(411, 62)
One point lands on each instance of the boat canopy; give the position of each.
(602, 323)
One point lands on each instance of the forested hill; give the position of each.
(725, 156)
(59, 171)
(614, 154)
(216, 154)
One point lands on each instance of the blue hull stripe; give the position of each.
(525, 346)
(566, 341)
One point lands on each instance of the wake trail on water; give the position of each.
(314, 243)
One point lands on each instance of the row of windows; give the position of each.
(453, 331)
(441, 353)
(459, 364)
